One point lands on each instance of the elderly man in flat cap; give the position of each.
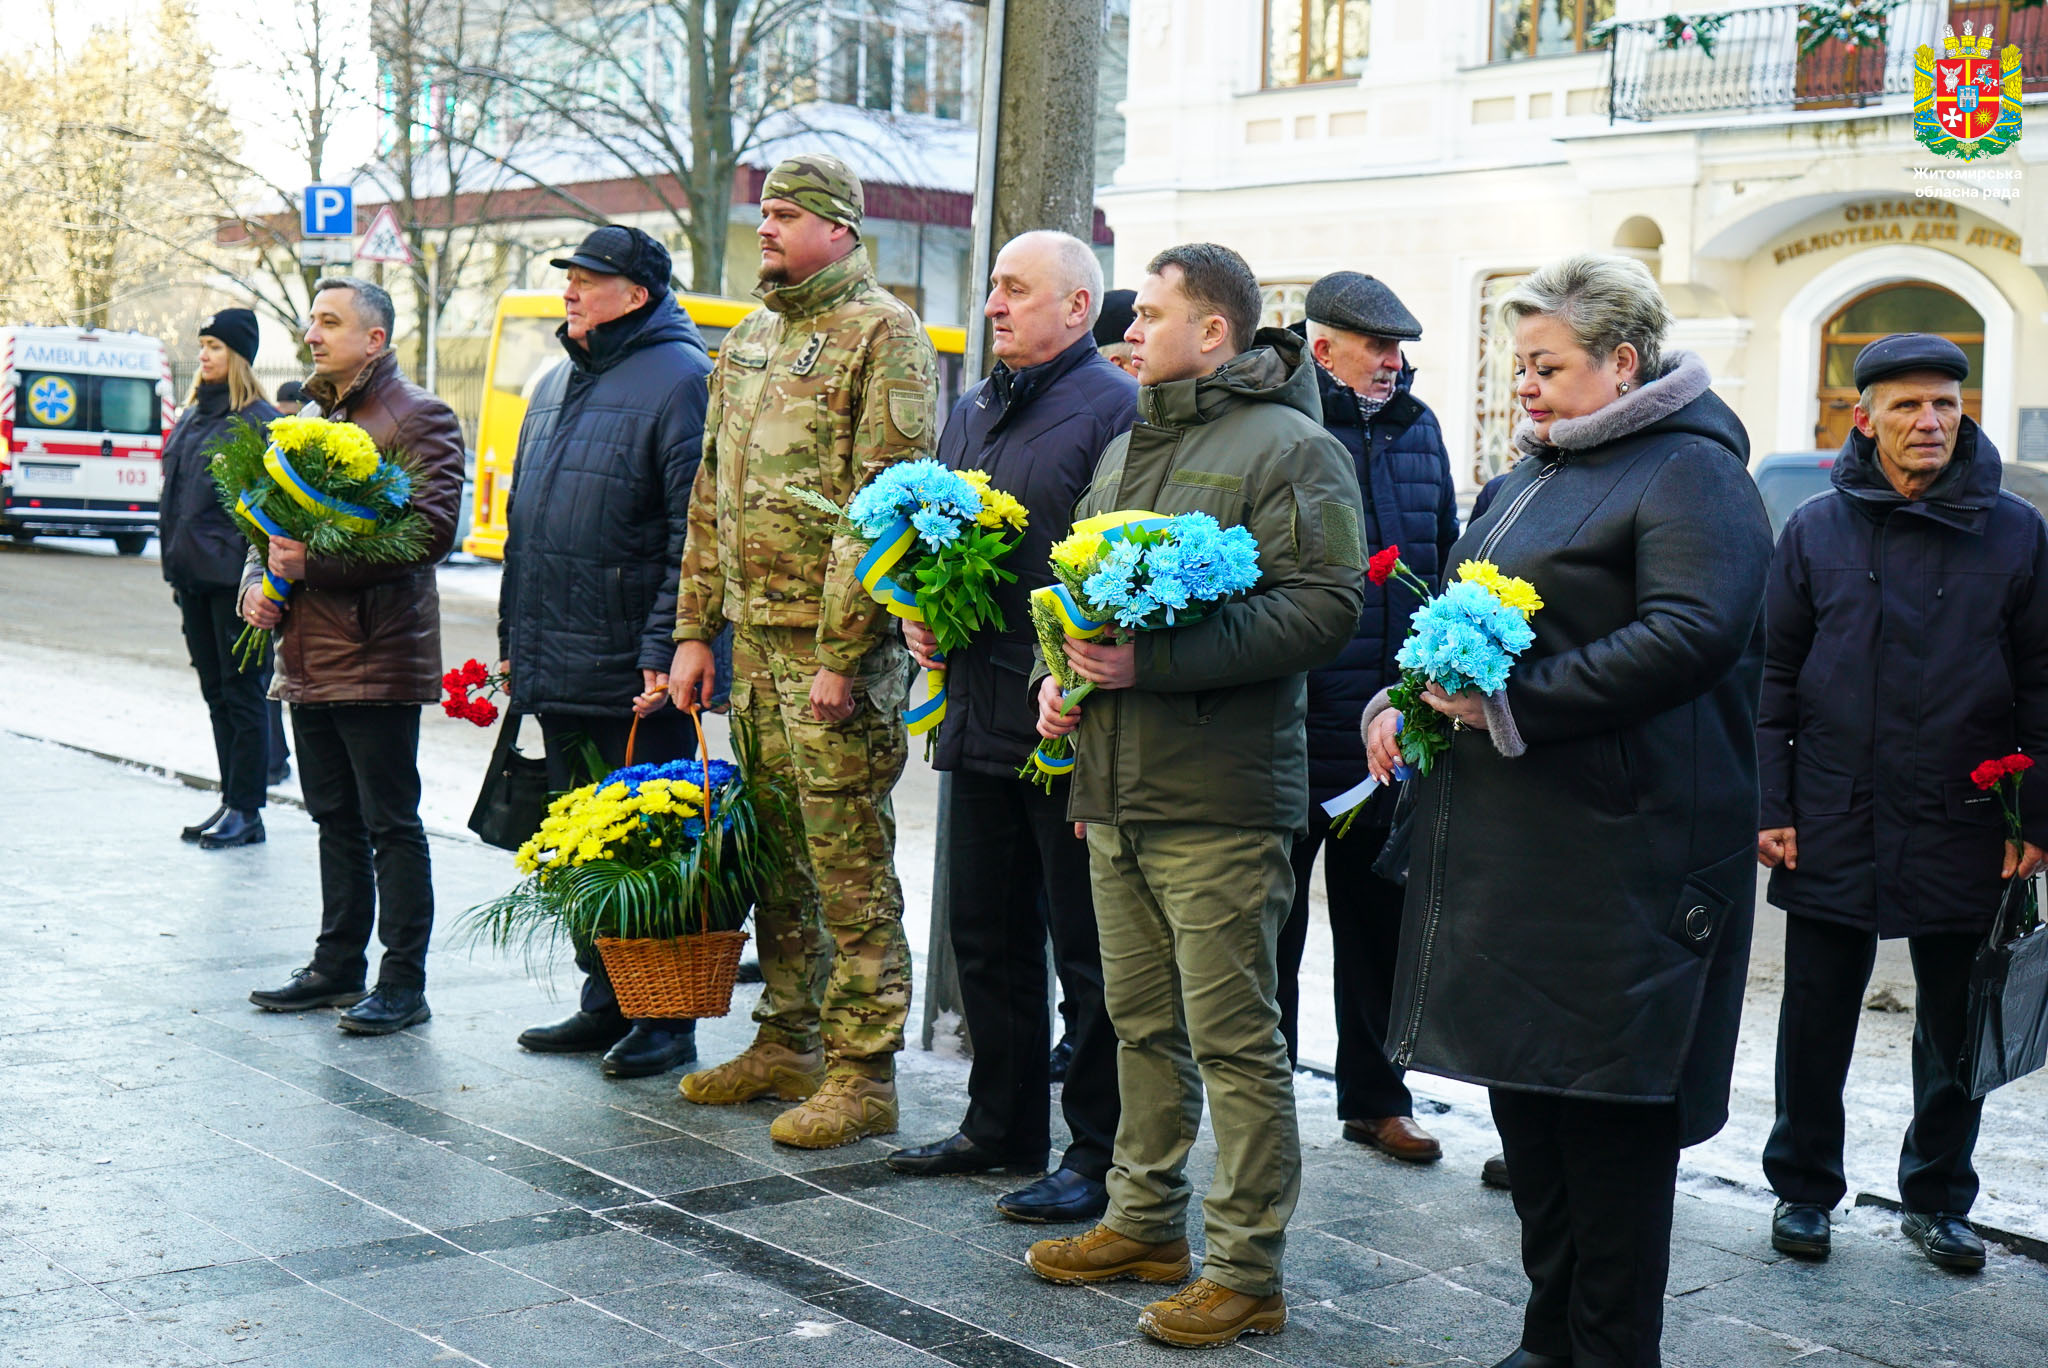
(1355, 329)
(825, 386)
(1908, 643)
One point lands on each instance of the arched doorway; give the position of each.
(1908, 306)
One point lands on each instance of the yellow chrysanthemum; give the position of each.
(1078, 553)
(998, 508)
(1517, 594)
(351, 451)
(292, 433)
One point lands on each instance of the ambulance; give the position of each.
(83, 416)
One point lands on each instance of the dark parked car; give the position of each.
(1788, 479)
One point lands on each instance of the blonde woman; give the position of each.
(202, 561)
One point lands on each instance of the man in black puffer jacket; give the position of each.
(1037, 426)
(1355, 327)
(595, 525)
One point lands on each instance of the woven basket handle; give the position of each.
(696, 714)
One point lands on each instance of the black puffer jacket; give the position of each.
(598, 512)
(201, 547)
(1578, 915)
(1038, 433)
(1908, 643)
(1410, 502)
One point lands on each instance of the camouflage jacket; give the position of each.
(829, 383)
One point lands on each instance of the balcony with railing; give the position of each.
(1769, 58)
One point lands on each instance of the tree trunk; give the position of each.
(1045, 141)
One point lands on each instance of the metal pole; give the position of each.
(433, 315)
(976, 358)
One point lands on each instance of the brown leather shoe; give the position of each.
(1104, 1255)
(1205, 1314)
(1398, 1136)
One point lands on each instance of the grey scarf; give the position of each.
(1684, 379)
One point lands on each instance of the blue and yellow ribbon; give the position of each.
(873, 574)
(275, 588)
(354, 517)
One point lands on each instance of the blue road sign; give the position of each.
(328, 211)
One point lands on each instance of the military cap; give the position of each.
(1904, 353)
(617, 250)
(824, 185)
(1356, 302)
(1117, 313)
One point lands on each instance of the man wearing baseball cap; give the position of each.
(595, 526)
(1907, 618)
(825, 386)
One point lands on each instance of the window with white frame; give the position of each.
(890, 58)
(1495, 408)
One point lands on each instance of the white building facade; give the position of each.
(1767, 175)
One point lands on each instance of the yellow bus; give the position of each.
(524, 348)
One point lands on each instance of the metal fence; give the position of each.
(461, 387)
(1752, 62)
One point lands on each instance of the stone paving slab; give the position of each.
(188, 1181)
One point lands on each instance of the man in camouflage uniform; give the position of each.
(828, 384)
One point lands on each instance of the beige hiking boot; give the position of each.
(757, 1071)
(1104, 1255)
(845, 1108)
(1205, 1314)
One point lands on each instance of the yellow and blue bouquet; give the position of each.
(944, 531)
(1466, 637)
(648, 852)
(320, 482)
(1126, 572)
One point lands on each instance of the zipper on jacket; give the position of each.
(1404, 1054)
(1514, 511)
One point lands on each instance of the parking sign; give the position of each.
(328, 211)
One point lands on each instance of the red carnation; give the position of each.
(452, 681)
(2016, 764)
(455, 707)
(1381, 567)
(474, 674)
(483, 712)
(1987, 775)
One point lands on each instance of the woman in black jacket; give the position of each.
(1581, 889)
(202, 560)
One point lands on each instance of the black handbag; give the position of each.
(2007, 1029)
(514, 798)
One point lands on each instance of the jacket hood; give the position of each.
(1276, 370)
(329, 396)
(661, 319)
(1961, 496)
(1678, 402)
(826, 287)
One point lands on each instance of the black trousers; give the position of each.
(1827, 968)
(1007, 843)
(235, 701)
(663, 736)
(1365, 937)
(359, 769)
(1594, 1184)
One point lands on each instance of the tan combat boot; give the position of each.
(846, 1107)
(1104, 1255)
(1205, 1314)
(757, 1071)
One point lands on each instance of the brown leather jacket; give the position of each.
(372, 633)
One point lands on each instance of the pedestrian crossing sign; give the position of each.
(384, 241)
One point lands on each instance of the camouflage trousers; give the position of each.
(834, 963)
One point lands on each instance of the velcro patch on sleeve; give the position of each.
(910, 411)
(1340, 535)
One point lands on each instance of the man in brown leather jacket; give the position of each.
(358, 653)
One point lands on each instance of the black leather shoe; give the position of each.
(198, 829)
(238, 828)
(1062, 1056)
(1062, 1195)
(1946, 1239)
(1801, 1230)
(308, 988)
(1494, 1172)
(577, 1033)
(955, 1154)
(1523, 1358)
(386, 1010)
(649, 1048)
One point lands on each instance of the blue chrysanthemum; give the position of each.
(1465, 639)
(398, 484)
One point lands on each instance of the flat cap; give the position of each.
(618, 250)
(824, 185)
(1356, 302)
(1904, 353)
(1117, 313)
